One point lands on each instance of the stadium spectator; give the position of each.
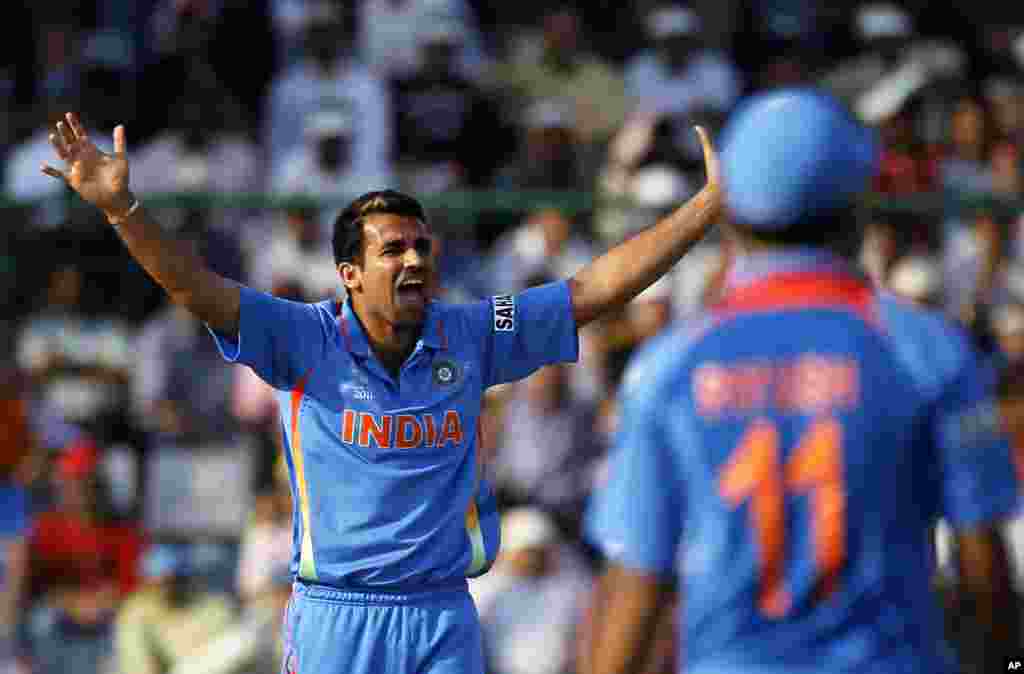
(329, 165)
(896, 68)
(181, 393)
(57, 63)
(253, 644)
(550, 156)
(677, 76)
(266, 543)
(20, 446)
(20, 172)
(78, 360)
(555, 65)
(1004, 98)
(444, 118)
(906, 166)
(883, 242)
(543, 245)
(16, 444)
(547, 451)
(1005, 170)
(289, 19)
(975, 268)
(918, 279)
(18, 76)
(885, 32)
(83, 563)
(329, 79)
(190, 42)
(391, 30)
(297, 252)
(966, 168)
(209, 151)
(632, 193)
(171, 618)
(534, 604)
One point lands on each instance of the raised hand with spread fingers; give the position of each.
(98, 177)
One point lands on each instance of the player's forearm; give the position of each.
(987, 596)
(627, 621)
(613, 279)
(180, 271)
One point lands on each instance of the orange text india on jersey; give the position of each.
(401, 431)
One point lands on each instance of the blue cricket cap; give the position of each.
(793, 154)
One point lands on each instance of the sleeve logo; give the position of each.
(504, 313)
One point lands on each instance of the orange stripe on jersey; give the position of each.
(307, 565)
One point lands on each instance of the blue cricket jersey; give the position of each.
(785, 457)
(384, 472)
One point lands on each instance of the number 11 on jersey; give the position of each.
(814, 469)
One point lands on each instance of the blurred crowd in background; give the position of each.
(144, 509)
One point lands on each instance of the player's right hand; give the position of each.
(99, 178)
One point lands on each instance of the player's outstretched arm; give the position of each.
(626, 270)
(987, 598)
(628, 608)
(102, 180)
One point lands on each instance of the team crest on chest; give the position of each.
(446, 372)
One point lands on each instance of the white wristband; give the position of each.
(116, 222)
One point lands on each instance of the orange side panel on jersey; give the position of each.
(307, 565)
(476, 536)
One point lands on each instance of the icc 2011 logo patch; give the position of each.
(446, 372)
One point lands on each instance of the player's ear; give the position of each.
(351, 276)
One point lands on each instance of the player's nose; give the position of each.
(414, 258)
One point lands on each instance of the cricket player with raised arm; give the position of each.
(781, 460)
(381, 397)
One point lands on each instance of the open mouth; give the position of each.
(412, 291)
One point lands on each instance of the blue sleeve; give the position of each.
(979, 479)
(279, 339)
(636, 517)
(522, 333)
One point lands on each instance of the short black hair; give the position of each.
(837, 229)
(348, 226)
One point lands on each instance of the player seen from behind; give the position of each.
(782, 459)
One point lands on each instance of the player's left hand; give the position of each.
(711, 167)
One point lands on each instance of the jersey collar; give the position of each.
(354, 337)
(796, 278)
(755, 267)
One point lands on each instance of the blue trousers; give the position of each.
(333, 631)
